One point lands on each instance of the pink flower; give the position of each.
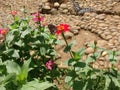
(13, 12)
(3, 31)
(49, 65)
(35, 14)
(37, 17)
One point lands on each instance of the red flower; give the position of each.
(13, 13)
(49, 65)
(3, 31)
(62, 28)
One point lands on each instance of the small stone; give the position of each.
(56, 4)
(54, 11)
(68, 35)
(46, 7)
(118, 58)
(100, 17)
(101, 43)
(75, 32)
(119, 39)
(101, 63)
(89, 50)
(104, 53)
(100, 32)
(63, 6)
(108, 37)
(44, 1)
(65, 11)
(58, 56)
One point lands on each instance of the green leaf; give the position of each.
(24, 70)
(69, 46)
(115, 81)
(79, 65)
(16, 54)
(45, 35)
(10, 77)
(76, 56)
(78, 85)
(42, 51)
(13, 26)
(24, 33)
(12, 67)
(2, 88)
(81, 51)
(68, 79)
(107, 82)
(71, 62)
(16, 18)
(70, 76)
(20, 43)
(89, 60)
(35, 85)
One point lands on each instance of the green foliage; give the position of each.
(23, 57)
(35, 85)
(82, 76)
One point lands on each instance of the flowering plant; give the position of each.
(29, 53)
(62, 28)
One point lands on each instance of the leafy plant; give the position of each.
(82, 76)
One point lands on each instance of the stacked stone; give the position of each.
(106, 26)
(108, 6)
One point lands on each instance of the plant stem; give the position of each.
(67, 44)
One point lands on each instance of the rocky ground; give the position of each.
(101, 25)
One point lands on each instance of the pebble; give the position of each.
(89, 50)
(46, 7)
(68, 35)
(108, 37)
(75, 32)
(100, 17)
(119, 39)
(101, 43)
(104, 53)
(54, 11)
(63, 6)
(65, 11)
(56, 4)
